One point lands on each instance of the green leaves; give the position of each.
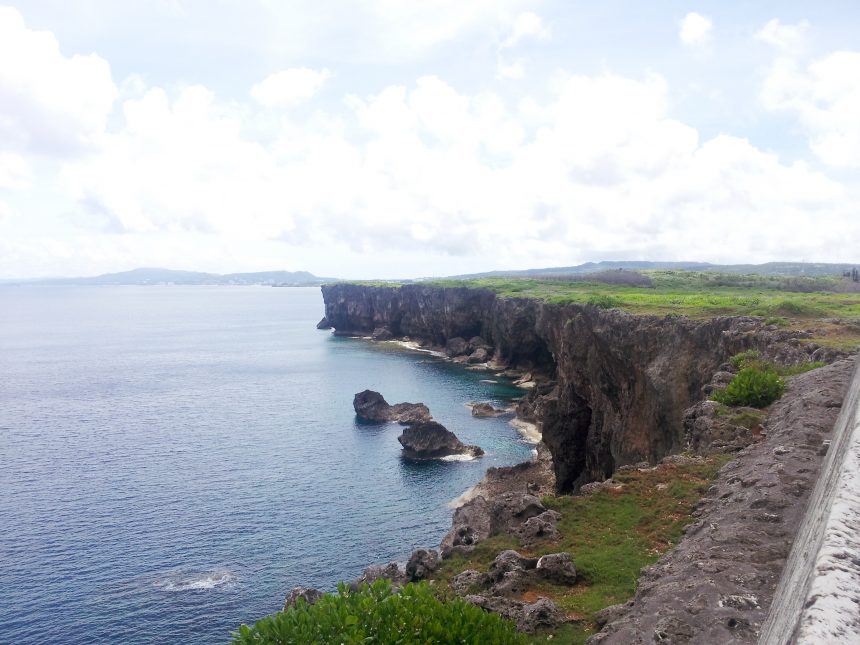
(752, 386)
(374, 614)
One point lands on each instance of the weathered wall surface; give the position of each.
(619, 383)
(818, 599)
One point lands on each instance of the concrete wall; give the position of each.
(818, 597)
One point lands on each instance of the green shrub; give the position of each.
(779, 321)
(604, 301)
(753, 387)
(745, 359)
(374, 614)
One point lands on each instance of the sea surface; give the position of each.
(174, 459)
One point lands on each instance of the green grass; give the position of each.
(794, 303)
(611, 535)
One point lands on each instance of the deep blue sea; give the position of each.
(174, 459)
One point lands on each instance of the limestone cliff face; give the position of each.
(619, 383)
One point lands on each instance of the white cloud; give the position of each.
(420, 172)
(527, 25)
(290, 87)
(695, 29)
(6, 211)
(49, 103)
(15, 171)
(601, 169)
(825, 96)
(783, 36)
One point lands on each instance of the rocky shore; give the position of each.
(610, 391)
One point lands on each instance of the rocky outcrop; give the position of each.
(372, 407)
(431, 440)
(614, 386)
(485, 410)
(505, 512)
(324, 323)
(717, 584)
(309, 595)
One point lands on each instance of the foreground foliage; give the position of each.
(375, 614)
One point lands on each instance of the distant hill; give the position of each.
(811, 269)
(148, 276)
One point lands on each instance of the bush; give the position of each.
(753, 387)
(604, 301)
(375, 614)
(745, 359)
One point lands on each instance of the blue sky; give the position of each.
(399, 139)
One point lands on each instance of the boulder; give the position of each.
(372, 407)
(431, 440)
(390, 571)
(539, 527)
(511, 509)
(542, 614)
(421, 563)
(309, 595)
(557, 568)
(456, 347)
(465, 582)
(324, 323)
(485, 410)
(511, 573)
(476, 342)
(469, 525)
(480, 355)
(382, 333)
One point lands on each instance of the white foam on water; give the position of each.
(467, 496)
(529, 431)
(457, 458)
(415, 347)
(194, 580)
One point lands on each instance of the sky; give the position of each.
(397, 139)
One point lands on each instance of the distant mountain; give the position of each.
(811, 269)
(150, 276)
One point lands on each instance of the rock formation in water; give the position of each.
(372, 407)
(431, 440)
(485, 410)
(615, 387)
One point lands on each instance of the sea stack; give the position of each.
(372, 407)
(431, 440)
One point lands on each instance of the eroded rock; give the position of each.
(308, 594)
(372, 407)
(431, 440)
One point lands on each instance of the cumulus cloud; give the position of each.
(695, 29)
(601, 167)
(49, 103)
(290, 87)
(527, 25)
(782, 36)
(15, 171)
(422, 171)
(825, 96)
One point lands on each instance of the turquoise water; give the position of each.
(174, 459)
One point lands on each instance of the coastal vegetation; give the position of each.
(612, 533)
(375, 613)
(758, 383)
(828, 308)
(694, 294)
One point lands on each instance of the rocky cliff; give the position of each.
(617, 385)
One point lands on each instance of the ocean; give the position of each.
(173, 460)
